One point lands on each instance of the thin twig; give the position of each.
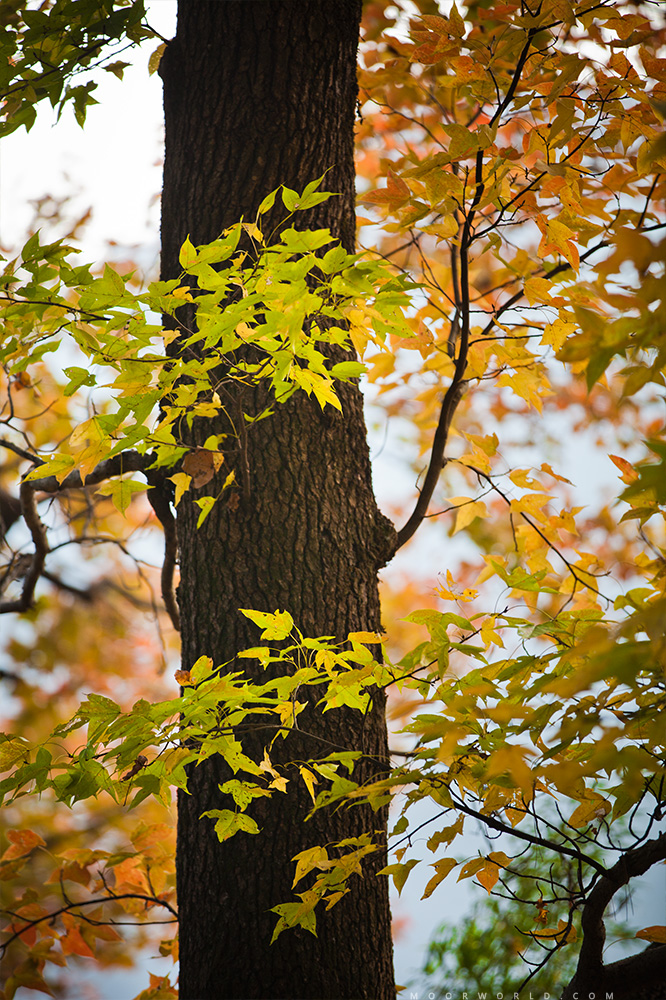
(21, 452)
(112, 898)
(529, 838)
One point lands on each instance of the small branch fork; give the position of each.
(460, 329)
(454, 392)
(494, 824)
(128, 461)
(38, 533)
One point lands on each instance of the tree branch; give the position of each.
(558, 269)
(10, 511)
(21, 452)
(111, 898)
(126, 461)
(529, 838)
(87, 596)
(637, 971)
(450, 402)
(454, 393)
(38, 533)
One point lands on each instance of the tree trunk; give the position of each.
(259, 94)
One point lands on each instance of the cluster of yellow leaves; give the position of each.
(528, 199)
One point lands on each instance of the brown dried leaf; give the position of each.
(201, 465)
(138, 765)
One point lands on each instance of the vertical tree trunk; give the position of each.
(259, 94)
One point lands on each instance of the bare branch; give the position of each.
(87, 596)
(128, 461)
(495, 824)
(10, 511)
(454, 393)
(450, 402)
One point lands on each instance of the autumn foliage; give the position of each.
(506, 308)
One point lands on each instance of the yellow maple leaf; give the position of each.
(594, 808)
(562, 238)
(443, 230)
(532, 504)
(310, 781)
(521, 477)
(528, 383)
(442, 869)
(466, 511)
(488, 633)
(510, 760)
(537, 290)
(488, 875)
(629, 474)
(545, 467)
(182, 483)
(89, 445)
(556, 333)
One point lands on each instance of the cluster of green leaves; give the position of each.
(272, 313)
(145, 751)
(287, 304)
(577, 722)
(43, 47)
(213, 708)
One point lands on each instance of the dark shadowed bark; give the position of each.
(259, 94)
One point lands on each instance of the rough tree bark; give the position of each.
(259, 94)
